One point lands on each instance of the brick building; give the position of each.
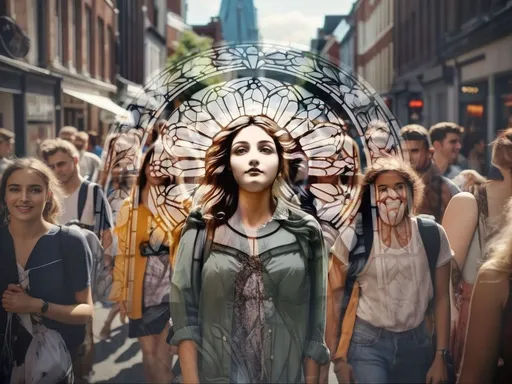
(374, 24)
(213, 29)
(454, 56)
(72, 48)
(176, 25)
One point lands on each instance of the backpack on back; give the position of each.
(101, 277)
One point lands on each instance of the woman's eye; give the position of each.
(267, 150)
(240, 151)
(35, 190)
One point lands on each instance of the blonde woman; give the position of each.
(490, 317)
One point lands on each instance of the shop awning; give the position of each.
(99, 101)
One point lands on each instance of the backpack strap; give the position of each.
(357, 259)
(431, 239)
(64, 231)
(82, 198)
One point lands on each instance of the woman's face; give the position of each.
(254, 160)
(152, 180)
(391, 197)
(26, 195)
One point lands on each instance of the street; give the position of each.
(119, 359)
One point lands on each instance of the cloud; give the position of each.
(291, 27)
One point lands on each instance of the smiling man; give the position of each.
(438, 188)
(446, 140)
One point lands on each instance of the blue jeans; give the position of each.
(381, 356)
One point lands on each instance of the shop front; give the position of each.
(473, 107)
(90, 109)
(504, 101)
(29, 104)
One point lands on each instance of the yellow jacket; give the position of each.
(132, 228)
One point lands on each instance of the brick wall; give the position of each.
(101, 56)
(174, 6)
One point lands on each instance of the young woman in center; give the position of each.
(249, 307)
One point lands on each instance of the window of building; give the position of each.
(89, 42)
(112, 53)
(58, 22)
(101, 48)
(73, 25)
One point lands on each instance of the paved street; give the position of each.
(119, 359)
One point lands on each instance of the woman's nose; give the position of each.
(24, 195)
(392, 193)
(254, 162)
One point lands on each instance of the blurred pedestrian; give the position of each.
(6, 145)
(487, 354)
(476, 154)
(142, 270)
(95, 143)
(68, 133)
(446, 140)
(438, 189)
(89, 163)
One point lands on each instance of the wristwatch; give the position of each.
(45, 306)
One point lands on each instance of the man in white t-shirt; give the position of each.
(84, 202)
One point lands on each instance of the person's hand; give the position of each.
(437, 373)
(123, 311)
(16, 300)
(344, 372)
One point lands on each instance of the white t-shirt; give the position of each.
(395, 285)
(70, 209)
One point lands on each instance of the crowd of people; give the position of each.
(416, 289)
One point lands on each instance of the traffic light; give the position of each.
(415, 110)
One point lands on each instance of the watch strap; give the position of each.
(45, 306)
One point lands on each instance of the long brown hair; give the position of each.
(52, 208)
(220, 201)
(500, 249)
(502, 149)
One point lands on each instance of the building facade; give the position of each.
(130, 48)
(345, 35)
(453, 58)
(327, 43)
(155, 44)
(239, 21)
(374, 23)
(213, 30)
(478, 49)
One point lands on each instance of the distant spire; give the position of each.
(239, 21)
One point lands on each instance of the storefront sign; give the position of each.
(475, 110)
(470, 90)
(40, 107)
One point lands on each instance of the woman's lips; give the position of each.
(24, 209)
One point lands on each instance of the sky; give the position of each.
(284, 21)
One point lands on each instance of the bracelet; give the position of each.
(441, 351)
